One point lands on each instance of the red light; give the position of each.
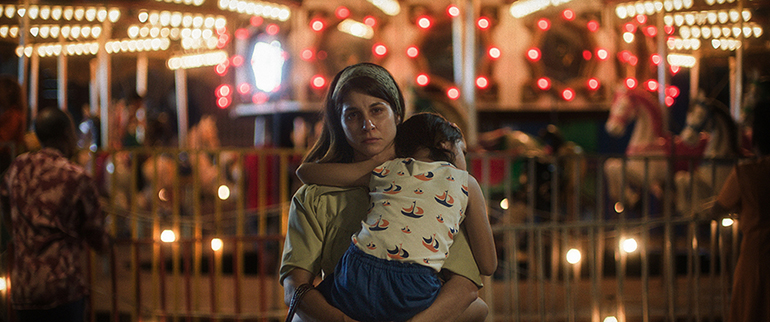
(242, 33)
(587, 55)
(482, 82)
(533, 54)
(318, 81)
(544, 83)
(568, 94)
(342, 12)
(655, 59)
(321, 55)
(494, 52)
(379, 50)
(669, 30)
(307, 54)
(222, 40)
(256, 21)
(568, 14)
(602, 54)
(625, 55)
(317, 24)
(412, 51)
(629, 27)
(669, 101)
(453, 93)
(422, 79)
(630, 83)
(641, 19)
(223, 102)
(652, 85)
(483, 23)
(650, 31)
(633, 60)
(237, 60)
(543, 24)
(370, 21)
(424, 22)
(244, 88)
(674, 69)
(453, 10)
(272, 29)
(672, 91)
(221, 69)
(593, 83)
(223, 90)
(592, 26)
(259, 98)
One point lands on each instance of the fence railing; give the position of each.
(199, 237)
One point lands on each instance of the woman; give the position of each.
(363, 107)
(745, 192)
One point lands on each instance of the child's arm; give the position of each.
(478, 229)
(337, 174)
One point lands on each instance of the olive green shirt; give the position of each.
(321, 221)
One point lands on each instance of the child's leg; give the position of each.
(476, 312)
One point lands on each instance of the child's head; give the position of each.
(432, 132)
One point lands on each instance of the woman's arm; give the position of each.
(456, 301)
(337, 174)
(313, 306)
(729, 197)
(479, 231)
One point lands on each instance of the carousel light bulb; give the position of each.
(114, 15)
(723, 16)
(67, 13)
(10, 11)
(54, 31)
(91, 14)
(727, 222)
(734, 15)
(79, 13)
(56, 12)
(33, 11)
(746, 15)
(757, 31)
(168, 236)
(712, 17)
(573, 256)
(216, 244)
(101, 15)
(629, 245)
(706, 32)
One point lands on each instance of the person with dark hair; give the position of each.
(417, 202)
(746, 192)
(362, 109)
(13, 121)
(52, 207)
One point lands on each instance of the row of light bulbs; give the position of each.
(197, 60)
(257, 8)
(710, 17)
(135, 31)
(524, 8)
(91, 48)
(721, 31)
(58, 12)
(630, 9)
(44, 31)
(694, 43)
(179, 19)
(185, 2)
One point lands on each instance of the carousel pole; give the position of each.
(61, 94)
(103, 75)
(464, 39)
(22, 67)
(181, 105)
(736, 90)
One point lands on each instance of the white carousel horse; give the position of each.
(650, 139)
(722, 147)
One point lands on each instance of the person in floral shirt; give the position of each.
(53, 209)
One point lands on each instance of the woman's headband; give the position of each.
(375, 72)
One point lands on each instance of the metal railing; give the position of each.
(199, 237)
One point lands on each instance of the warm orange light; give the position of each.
(422, 79)
(453, 93)
(412, 51)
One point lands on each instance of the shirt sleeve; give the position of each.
(730, 195)
(460, 260)
(304, 236)
(93, 227)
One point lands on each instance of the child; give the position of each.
(418, 201)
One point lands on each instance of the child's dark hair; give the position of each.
(427, 131)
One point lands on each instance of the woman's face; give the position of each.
(369, 124)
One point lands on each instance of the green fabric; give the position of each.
(333, 214)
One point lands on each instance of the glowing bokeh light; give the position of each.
(216, 244)
(168, 236)
(482, 82)
(543, 83)
(422, 79)
(453, 93)
(573, 256)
